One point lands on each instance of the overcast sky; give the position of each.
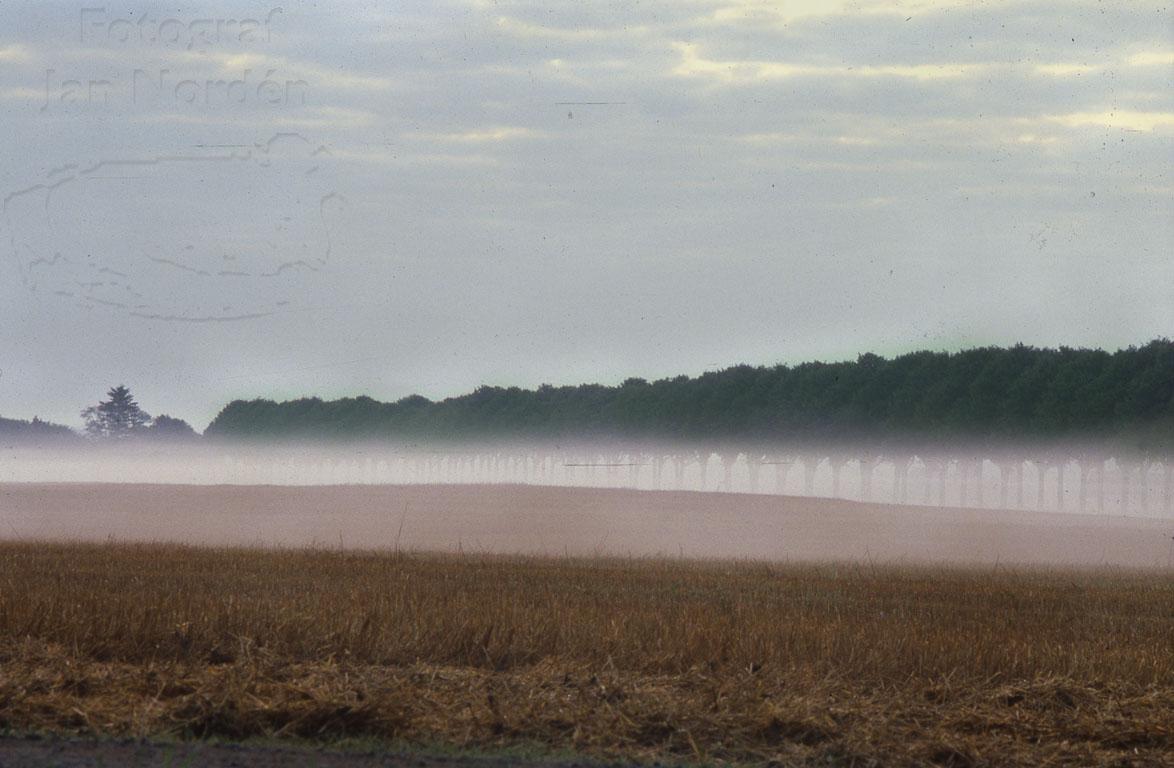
(217, 201)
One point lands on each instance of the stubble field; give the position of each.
(680, 661)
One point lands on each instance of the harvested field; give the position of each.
(804, 664)
(535, 520)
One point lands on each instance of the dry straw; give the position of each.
(652, 659)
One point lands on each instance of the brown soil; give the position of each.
(73, 753)
(576, 521)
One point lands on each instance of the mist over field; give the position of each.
(1075, 477)
(986, 455)
(1070, 505)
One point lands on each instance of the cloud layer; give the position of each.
(514, 192)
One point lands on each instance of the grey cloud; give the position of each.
(492, 233)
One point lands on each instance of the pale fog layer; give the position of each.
(1072, 479)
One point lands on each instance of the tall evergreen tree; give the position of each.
(117, 417)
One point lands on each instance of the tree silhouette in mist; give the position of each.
(117, 417)
(170, 428)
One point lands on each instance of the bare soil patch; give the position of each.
(132, 753)
(576, 521)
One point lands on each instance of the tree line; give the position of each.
(991, 393)
(117, 418)
(35, 430)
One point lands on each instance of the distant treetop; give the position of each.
(117, 417)
(171, 428)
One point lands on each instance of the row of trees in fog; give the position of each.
(35, 430)
(1020, 393)
(118, 417)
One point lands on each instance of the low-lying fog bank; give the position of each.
(1071, 479)
(576, 521)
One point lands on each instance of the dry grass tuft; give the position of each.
(655, 659)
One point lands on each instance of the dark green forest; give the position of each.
(1023, 393)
